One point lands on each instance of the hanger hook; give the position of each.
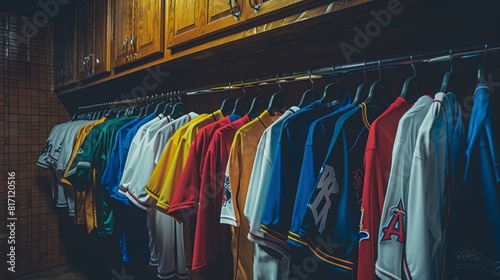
(257, 84)
(413, 66)
(243, 88)
(485, 51)
(278, 81)
(380, 68)
(230, 88)
(364, 69)
(310, 79)
(333, 70)
(451, 60)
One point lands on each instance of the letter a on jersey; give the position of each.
(396, 225)
(327, 185)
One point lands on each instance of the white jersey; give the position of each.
(65, 148)
(56, 154)
(131, 162)
(147, 156)
(430, 189)
(227, 215)
(169, 241)
(389, 264)
(265, 266)
(43, 160)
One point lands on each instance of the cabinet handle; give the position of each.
(92, 64)
(134, 45)
(236, 14)
(256, 8)
(124, 45)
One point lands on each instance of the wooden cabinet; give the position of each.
(101, 36)
(138, 29)
(64, 64)
(256, 8)
(190, 19)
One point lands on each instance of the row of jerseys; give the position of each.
(328, 191)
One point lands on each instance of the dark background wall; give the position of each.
(29, 110)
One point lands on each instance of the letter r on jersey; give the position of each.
(327, 185)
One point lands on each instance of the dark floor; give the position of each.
(63, 272)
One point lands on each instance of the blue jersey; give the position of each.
(130, 220)
(318, 140)
(114, 169)
(330, 226)
(277, 215)
(473, 250)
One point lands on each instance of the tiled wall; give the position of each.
(29, 109)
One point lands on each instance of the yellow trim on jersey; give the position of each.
(297, 238)
(271, 236)
(273, 232)
(151, 193)
(330, 262)
(364, 115)
(481, 87)
(317, 251)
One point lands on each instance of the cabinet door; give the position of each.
(184, 21)
(100, 39)
(256, 8)
(220, 14)
(149, 22)
(122, 30)
(65, 50)
(83, 41)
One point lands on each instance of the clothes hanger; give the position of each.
(447, 76)
(332, 91)
(310, 95)
(481, 71)
(227, 105)
(150, 108)
(242, 104)
(378, 88)
(169, 106)
(179, 108)
(411, 86)
(160, 107)
(277, 103)
(142, 113)
(259, 104)
(362, 89)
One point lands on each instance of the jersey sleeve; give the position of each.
(173, 173)
(231, 185)
(186, 194)
(426, 191)
(80, 174)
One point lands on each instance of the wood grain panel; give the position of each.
(100, 37)
(184, 20)
(267, 7)
(219, 17)
(83, 41)
(149, 22)
(122, 28)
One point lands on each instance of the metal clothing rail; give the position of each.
(131, 101)
(386, 63)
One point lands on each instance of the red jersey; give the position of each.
(378, 156)
(184, 202)
(206, 240)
